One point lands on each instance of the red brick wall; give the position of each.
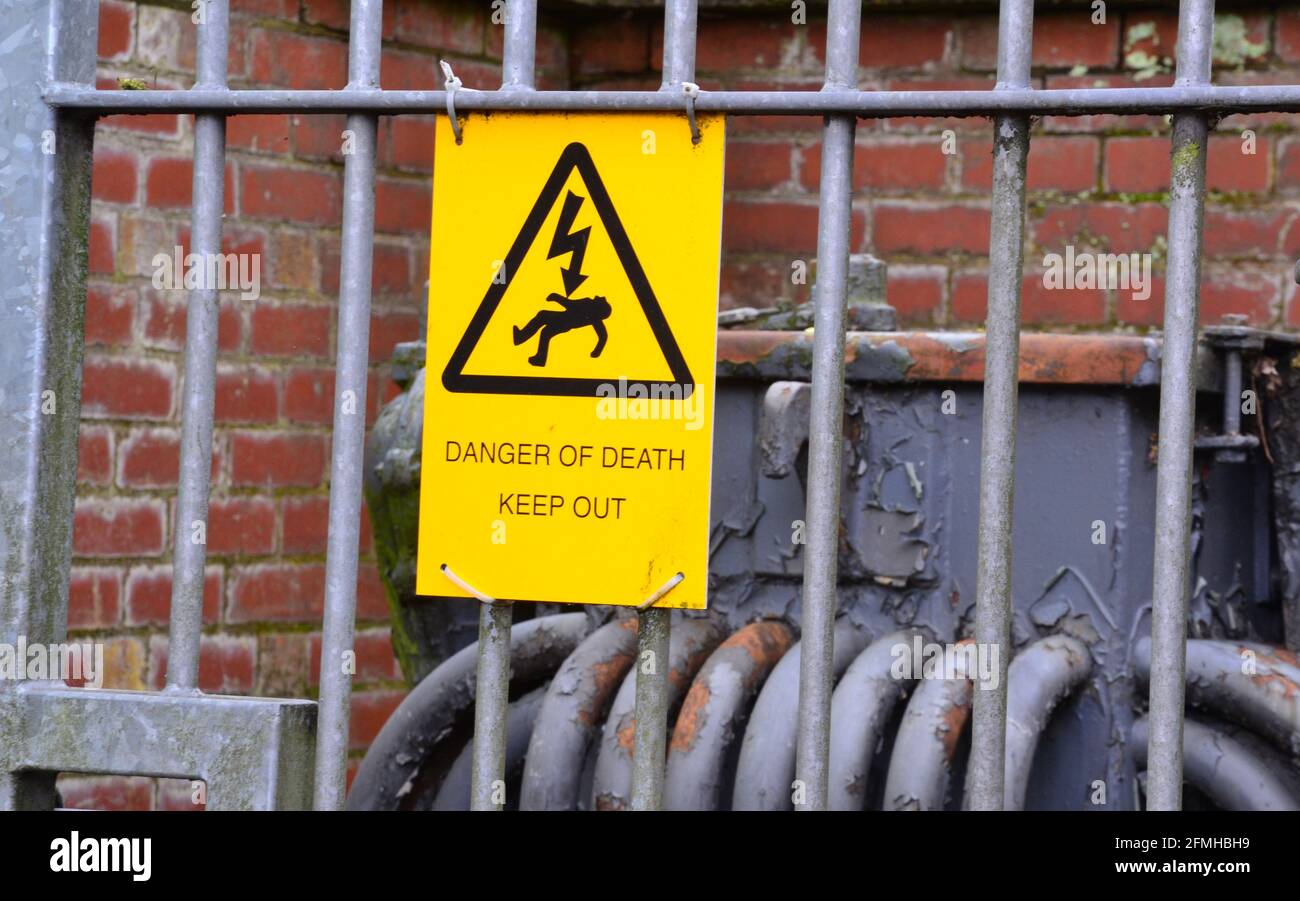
(1096, 181)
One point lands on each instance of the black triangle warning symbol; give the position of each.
(570, 313)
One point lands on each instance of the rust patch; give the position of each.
(606, 677)
(1289, 688)
(627, 736)
(688, 720)
(765, 642)
(610, 802)
(959, 357)
(954, 721)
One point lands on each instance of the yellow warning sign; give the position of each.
(568, 418)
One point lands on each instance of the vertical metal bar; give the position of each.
(519, 53)
(654, 626)
(1177, 419)
(492, 692)
(826, 423)
(650, 749)
(44, 230)
(1001, 371)
(679, 42)
(350, 375)
(189, 548)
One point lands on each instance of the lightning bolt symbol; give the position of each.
(568, 241)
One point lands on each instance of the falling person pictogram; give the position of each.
(577, 312)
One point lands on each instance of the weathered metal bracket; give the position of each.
(253, 753)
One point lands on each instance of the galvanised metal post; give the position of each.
(492, 689)
(1177, 419)
(350, 375)
(189, 543)
(44, 230)
(1001, 372)
(826, 419)
(654, 626)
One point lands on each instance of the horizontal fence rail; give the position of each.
(1221, 99)
(70, 100)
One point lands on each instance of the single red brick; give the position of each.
(1288, 35)
(1137, 164)
(1039, 305)
(114, 387)
(246, 394)
(319, 137)
(1252, 294)
(241, 526)
(106, 792)
(725, 45)
(390, 271)
(168, 183)
(164, 321)
(370, 710)
(331, 13)
(114, 176)
(1288, 164)
(755, 166)
(1061, 40)
(94, 598)
(411, 143)
(226, 663)
(101, 251)
(1056, 163)
(749, 225)
(930, 229)
(149, 595)
(116, 21)
(388, 329)
(403, 207)
(459, 29)
(296, 330)
(372, 598)
(94, 455)
(619, 45)
(916, 292)
(150, 458)
(883, 165)
(1122, 228)
(109, 312)
(259, 134)
(267, 460)
(374, 659)
(1229, 168)
(1255, 233)
(117, 528)
(305, 525)
(299, 62)
(892, 42)
(277, 593)
(295, 195)
(756, 283)
(309, 395)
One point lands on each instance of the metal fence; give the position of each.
(258, 752)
